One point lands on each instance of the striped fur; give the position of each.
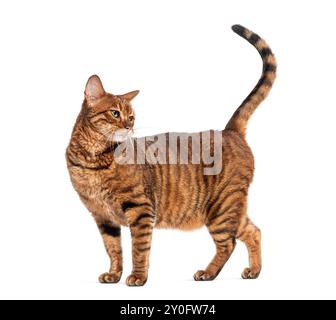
(239, 120)
(144, 196)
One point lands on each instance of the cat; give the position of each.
(148, 195)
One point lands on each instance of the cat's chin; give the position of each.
(120, 139)
(121, 136)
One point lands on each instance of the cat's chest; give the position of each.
(89, 183)
(95, 189)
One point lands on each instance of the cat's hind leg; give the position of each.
(223, 228)
(251, 236)
(224, 248)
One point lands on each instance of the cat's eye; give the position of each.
(115, 113)
(131, 118)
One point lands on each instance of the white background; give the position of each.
(192, 71)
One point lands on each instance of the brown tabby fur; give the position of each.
(165, 195)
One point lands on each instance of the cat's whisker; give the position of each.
(104, 136)
(129, 139)
(147, 127)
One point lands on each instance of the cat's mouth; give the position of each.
(121, 135)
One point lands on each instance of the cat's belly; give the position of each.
(182, 192)
(188, 223)
(184, 213)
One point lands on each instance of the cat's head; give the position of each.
(108, 114)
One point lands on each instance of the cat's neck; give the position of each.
(88, 148)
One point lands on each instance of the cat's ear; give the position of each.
(94, 89)
(130, 95)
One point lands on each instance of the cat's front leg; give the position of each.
(141, 226)
(111, 235)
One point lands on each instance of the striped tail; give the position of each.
(238, 121)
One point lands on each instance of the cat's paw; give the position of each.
(249, 273)
(136, 280)
(202, 275)
(110, 277)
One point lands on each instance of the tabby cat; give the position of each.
(144, 196)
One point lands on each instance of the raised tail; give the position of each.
(238, 121)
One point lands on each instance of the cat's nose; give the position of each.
(127, 125)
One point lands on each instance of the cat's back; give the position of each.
(213, 151)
